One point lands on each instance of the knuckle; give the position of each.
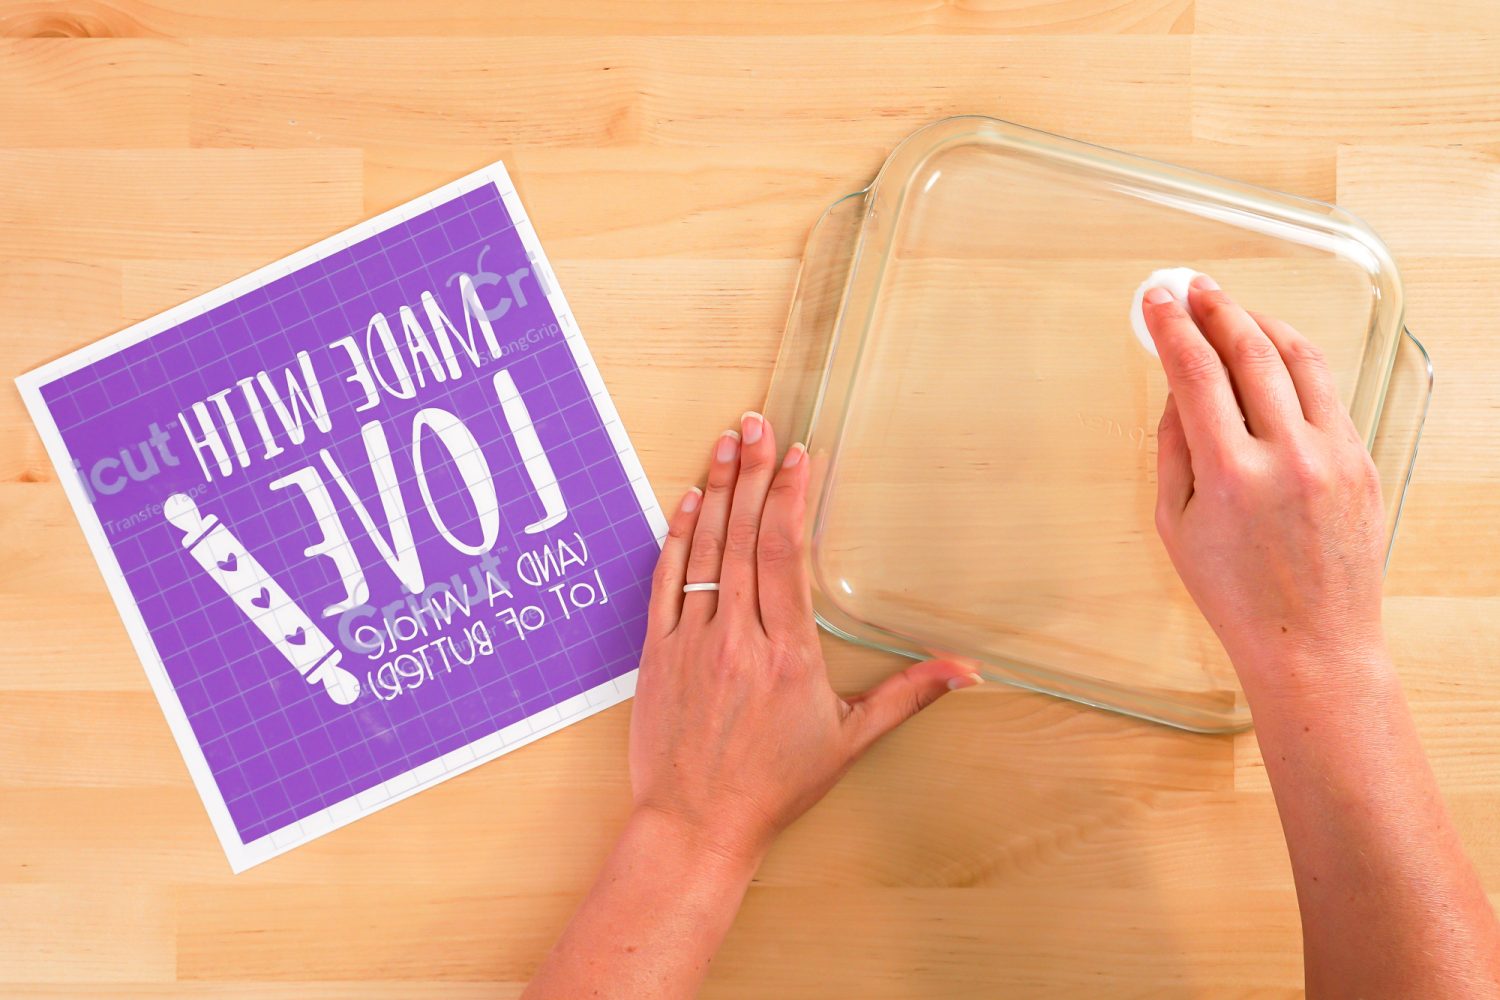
(1302, 351)
(790, 507)
(1230, 465)
(1217, 307)
(786, 661)
(1256, 350)
(707, 547)
(1360, 473)
(1309, 471)
(754, 460)
(720, 476)
(777, 548)
(1236, 477)
(680, 528)
(742, 535)
(782, 486)
(1198, 365)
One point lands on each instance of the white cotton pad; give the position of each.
(1174, 280)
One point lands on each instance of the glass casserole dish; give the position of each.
(959, 360)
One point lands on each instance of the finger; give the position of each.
(1174, 464)
(902, 695)
(1260, 379)
(671, 567)
(707, 555)
(785, 594)
(1211, 418)
(1316, 391)
(757, 466)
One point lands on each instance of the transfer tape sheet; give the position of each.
(368, 513)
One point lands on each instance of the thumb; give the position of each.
(902, 695)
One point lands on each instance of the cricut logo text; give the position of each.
(134, 463)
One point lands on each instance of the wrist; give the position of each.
(1328, 671)
(709, 857)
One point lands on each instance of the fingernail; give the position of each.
(690, 501)
(729, 445)
(966, 681)
(753, 424)
(1156, 296)
(1205, 284)
(794, 455)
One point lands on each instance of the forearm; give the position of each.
(1390, 903)
(653, 920)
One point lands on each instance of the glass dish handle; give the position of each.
(1408, 396)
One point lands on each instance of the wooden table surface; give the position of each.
(673, 156)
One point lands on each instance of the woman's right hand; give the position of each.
(1268, 502)
(1270, 508)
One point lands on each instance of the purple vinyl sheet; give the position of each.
(369, 514)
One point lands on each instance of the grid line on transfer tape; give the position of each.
(208, 327)
(299, 804)
(281, 710)
(255, 794)
(371, 777)
(449, 699)
(612, 525)
(245, 766)
(449, 393)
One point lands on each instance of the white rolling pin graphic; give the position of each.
(261, 598)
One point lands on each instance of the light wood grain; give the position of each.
(673, 156)
(1377, 18)
(598, 17)
(1441, 202)
(1358, 88)
(119, 93)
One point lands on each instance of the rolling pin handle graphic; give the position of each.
(261, 598)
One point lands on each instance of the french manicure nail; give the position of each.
(794, 455)
(1205, 284)
(753, 424)
(1156, 296)
(729, 445)
(690, 501)
(968, 680)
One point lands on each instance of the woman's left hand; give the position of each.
(736, 730)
